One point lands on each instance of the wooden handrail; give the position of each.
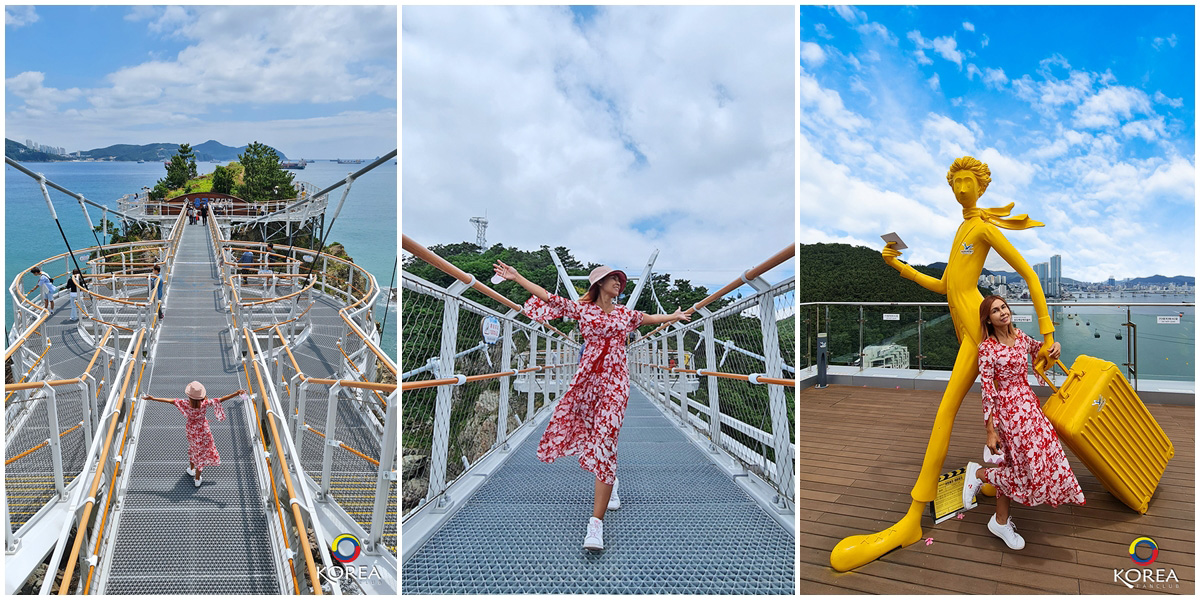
(91, 497)
(293, 500)
(416, 385)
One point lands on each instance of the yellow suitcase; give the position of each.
(1102, 420)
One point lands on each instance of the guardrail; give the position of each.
(463, 398)
(747, 406)
(921, 335)
(104, 462)
(297, 518)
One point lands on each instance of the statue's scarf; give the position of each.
(995, 217)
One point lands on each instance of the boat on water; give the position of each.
(294, 164)
(349, 161)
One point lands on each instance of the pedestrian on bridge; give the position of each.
(588, 417)
(47, 286)
(202, 449)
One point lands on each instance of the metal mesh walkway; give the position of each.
(173, 537)
(684, 527)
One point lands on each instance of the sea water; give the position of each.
(366, 226)
(1164, 350)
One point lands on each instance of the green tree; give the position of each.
(222, 180)
(159, 192)
(262, 175)
(181, 167)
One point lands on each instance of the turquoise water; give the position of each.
(1165, 351)
(366, 225)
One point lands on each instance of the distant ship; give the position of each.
(294, 165)
(349, 161)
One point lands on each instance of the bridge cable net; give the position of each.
(466, 396)
(735, 359)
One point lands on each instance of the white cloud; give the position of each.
(823, 31)
(1162, 98)
(984, 42)
(1170, 40)
(879, 30)
(968, 26)
(1111, 105)
(38, 99)
(948, 48)
(922, 45)
(812, 54)
(972, 71)
(19, 16)
(935, 83)
(994, 77)
(850, 13)
(639, 131)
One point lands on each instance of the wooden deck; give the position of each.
(860, 452)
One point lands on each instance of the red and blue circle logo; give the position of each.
(346, 548)
(1143, 542)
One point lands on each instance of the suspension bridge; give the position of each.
(97, 497)
(707, 481)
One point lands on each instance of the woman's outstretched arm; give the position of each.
(678, 315)
(233, 395)
(511, 274)
(166, 400)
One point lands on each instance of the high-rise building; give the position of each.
(1042, 270)
(1056, 275)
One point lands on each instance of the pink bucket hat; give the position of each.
(601, 272)
(195, 390)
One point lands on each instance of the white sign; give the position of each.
(891, 317)
(1168, 320)
(1022, 318)
(491, 329)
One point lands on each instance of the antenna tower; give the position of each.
(480, 224)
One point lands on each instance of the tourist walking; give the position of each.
(202, 449)
(587, 419)
(48, 288)
(74, 285)
(156, 288)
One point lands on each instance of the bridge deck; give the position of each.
(684, 526)
(860, 452)
(211, 539)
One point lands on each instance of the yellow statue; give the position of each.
(978, 234)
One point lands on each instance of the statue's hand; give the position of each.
(891, 255)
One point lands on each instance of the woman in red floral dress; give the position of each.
(1033, 469)
(202, 450)
(588, 417)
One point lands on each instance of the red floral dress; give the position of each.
(202, 450)
(1034, 469)
(588, 418)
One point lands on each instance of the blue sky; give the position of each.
(1085, 115)
(313, 81)
(611, 130)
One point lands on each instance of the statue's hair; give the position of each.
(968, 163)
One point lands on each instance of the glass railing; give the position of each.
(1148, 340)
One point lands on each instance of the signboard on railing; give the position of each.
(491, 329)
(1168, 320)
(891, 316)
(1022, 318)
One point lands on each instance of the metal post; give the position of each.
(714, 399)
(533, 346)
(441, 419)
(861, 320)
(920, 348)
(780, 423)
(502, 410)
(302, 400)
(683, 397)
(55, 443)
(89, 409)
(330, 441)
(385, 475)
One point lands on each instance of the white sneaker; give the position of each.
(1006, 532)
(196, 481)
(191, 471)
(971, 486)
(594, 540)
(614, 501)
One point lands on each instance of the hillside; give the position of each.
(21, 153)
(208, 151)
